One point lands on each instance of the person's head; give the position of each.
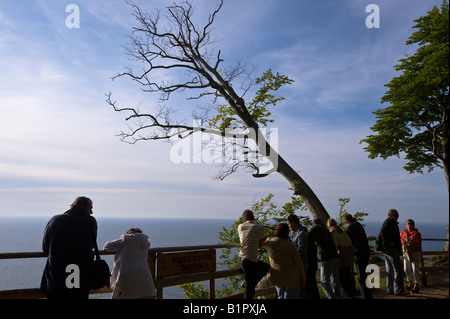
(317, 221)
(247, 215)
(84, 204)
(331, 223)
(293, 222)
(349, 219)
(393, 214)
(410, 224)
(134, 231)
(282, 231)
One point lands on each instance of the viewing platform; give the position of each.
(172, 266)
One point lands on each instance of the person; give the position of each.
(69, 239)
(361, 252)
(286, 272)
(320, 237)
(251, 237)
(412, 237)
(344, 247)
(388, 241)
(131, 277)
(299, 237)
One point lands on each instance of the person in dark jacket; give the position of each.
(361, 252)
(389, 239)
(69, 240)
(321, 243)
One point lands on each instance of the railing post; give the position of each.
(212, 283)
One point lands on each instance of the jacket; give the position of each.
(131, 277)
(414, 239)
(68, 239)
(359, 240)
(390, 236)
(286, 267)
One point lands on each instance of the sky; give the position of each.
(59, 137)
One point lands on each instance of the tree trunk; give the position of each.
(302, 189)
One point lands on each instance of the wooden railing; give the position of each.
(193, 275)
(423, 269)
(160, 282)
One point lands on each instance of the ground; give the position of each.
(437, 286)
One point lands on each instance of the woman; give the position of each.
(412, 237)
(344, 247)
(131, 278)
(287, 273)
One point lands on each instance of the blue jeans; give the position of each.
(287, 293)
(394, 272)
(329, 275)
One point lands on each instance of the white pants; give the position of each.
(412, 268)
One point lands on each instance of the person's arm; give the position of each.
(113, 245)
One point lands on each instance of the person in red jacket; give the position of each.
(412, 237)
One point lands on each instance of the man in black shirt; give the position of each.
(391, 246)
(361, 252)
(69, 240)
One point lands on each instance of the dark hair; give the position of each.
(81, 201)
(294, 218)
(349, 218)
(392, 212)
(248, 215)
(317, 221)
(134, 230)
(411, 222)
(282, 231)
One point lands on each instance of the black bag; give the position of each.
(100, 273)
(379, 243)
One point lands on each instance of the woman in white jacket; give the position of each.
(131, 278)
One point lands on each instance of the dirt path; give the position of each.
(437, 288)
(436, 291)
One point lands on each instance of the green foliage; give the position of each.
(416, 122)
(269, 215)
(195, 291)
(358, 216)
(258, 107)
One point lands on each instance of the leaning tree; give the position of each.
(174, 56)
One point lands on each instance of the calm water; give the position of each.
(24, 234)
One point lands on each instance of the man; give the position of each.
(68, 240)
(299, 236)
(361, 252)
(251, 236)
(390, 244)
(321, 243)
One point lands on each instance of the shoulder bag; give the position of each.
(100, 273)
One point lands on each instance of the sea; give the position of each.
(24, 234)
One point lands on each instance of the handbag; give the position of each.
(407, 253)
(100, 273)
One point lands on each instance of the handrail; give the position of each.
(170, 281)
(33, 293)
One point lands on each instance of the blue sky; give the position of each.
(58, 133)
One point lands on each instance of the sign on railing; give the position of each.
(184, 263)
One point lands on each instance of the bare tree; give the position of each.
(188, 53)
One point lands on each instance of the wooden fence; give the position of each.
(171, 266)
